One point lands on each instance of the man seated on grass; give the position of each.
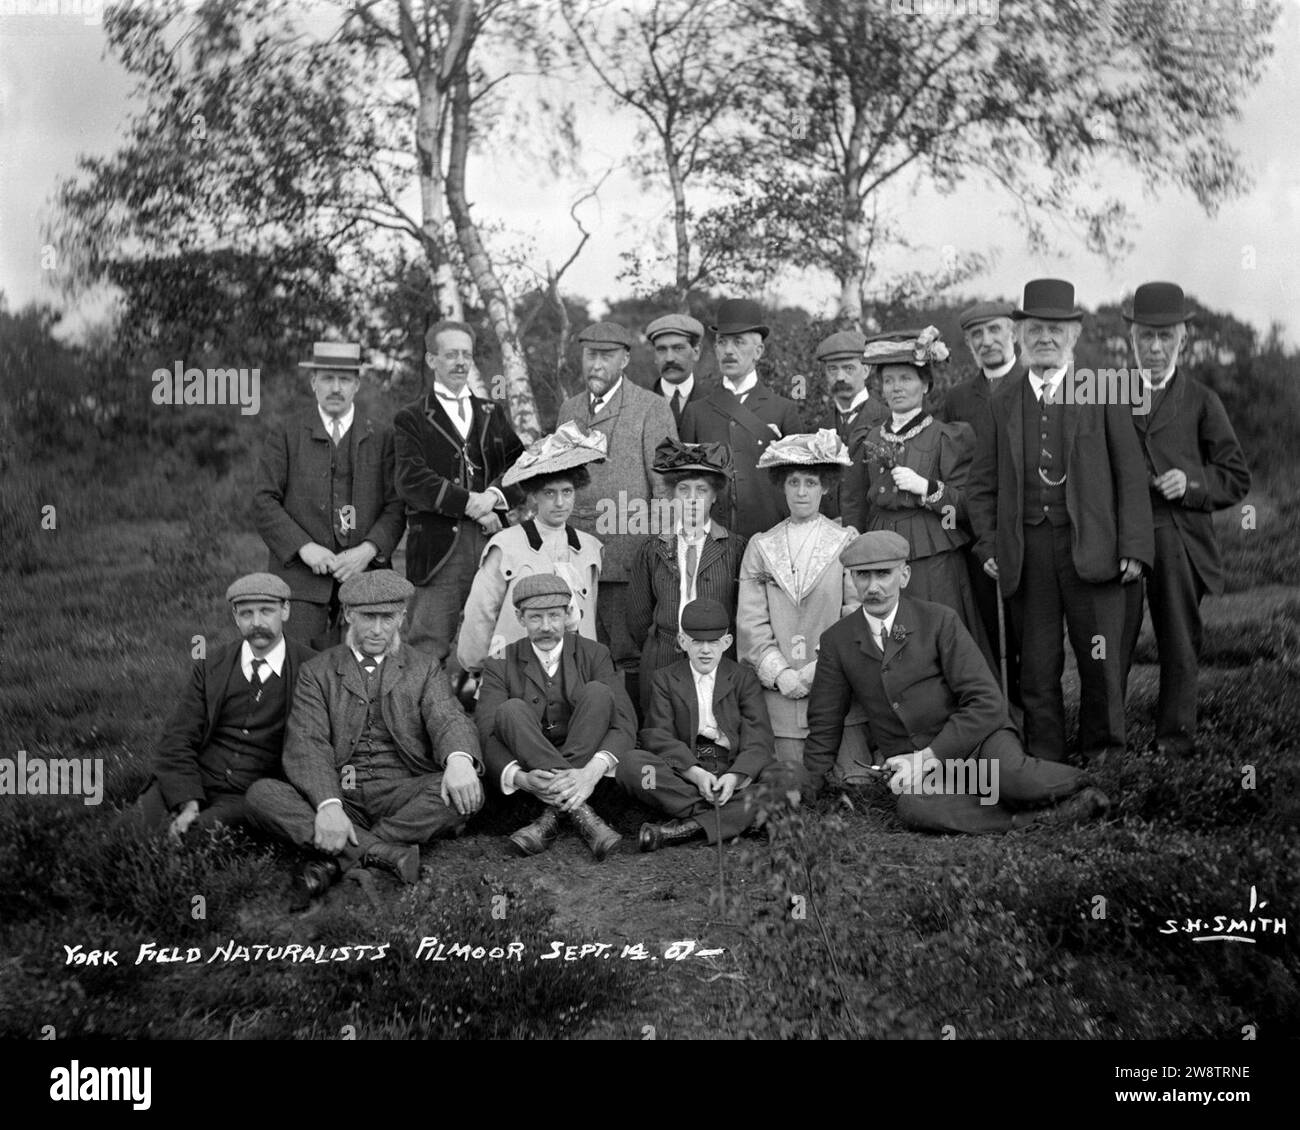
(554, 718)
(379, 755)
(935, 715)
(228, 729)
(706, 737)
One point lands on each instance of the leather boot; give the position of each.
(1087, 804)
(655, 836)
(402, 860)
(600, 837)
(535, 838)
(312, 878)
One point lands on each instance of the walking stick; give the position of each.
(1002, 640)
(722, 882)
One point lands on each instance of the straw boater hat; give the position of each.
(808, 450)
(567, 447)
(334, 355)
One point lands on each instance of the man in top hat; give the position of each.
(744, 414)
(936, 718)
(676, 340)
(616, 506)
(325, 503)
(227, 731)
(554, 719)
(1194, 467)
(1058, 502)
(706, 738)
(379, 756)
(452, 449)
(991, 338)
(853, 412)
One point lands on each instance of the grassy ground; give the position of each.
(843, 925)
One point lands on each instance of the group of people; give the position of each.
(702, 595)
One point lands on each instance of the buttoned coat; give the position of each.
(329, 716)
(867, 416)
(672, 721)
(518, 674)
(616, 506)
(936, 678)
(433, 479)
(968, 402)
(751, 504)
(291, 505)
(188, 731)
(1188, 429)
(1105, 489)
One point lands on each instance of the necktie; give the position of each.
(692, 564)
(336, 430)
(369, 665)
(595, 405)
(884, 635)
(677, 405)
(258, 664)
(462, 409)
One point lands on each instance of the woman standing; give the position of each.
(792, 586)
(910, 476)
(689, 556)
(550, 474)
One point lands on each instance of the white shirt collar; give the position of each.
(602, 401)
(361, 656)
(874, 622)
(702, 678)
(441, 391)
(742, 386)
(345, 420)
(1050, 380)
(684, 387)
(274, 658)
(548, 658)
(1155, 386)
(858, 401)
(1002, 370)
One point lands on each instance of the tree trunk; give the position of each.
(680, 229)
(513, 384)
(433, 216)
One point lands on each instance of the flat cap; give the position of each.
(606, 333)
(542, 590)
(705, 619)
(984, 312)
(258, 586)
(676, 324)
(875, 550)
(846, 343)
(380, 590)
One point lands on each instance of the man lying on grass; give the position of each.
(379, 755)
(935, 715)
(228, 728)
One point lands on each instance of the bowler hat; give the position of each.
(608, 334)
(334, 355)
(983, 312)
(258, 586)
(705, 619)
(542, 590)
(739, 316)
(379, 590)
(676, 324)
(1158, 304)
(875, 550)
(1051, 300)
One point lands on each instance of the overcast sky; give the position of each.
(60, 97)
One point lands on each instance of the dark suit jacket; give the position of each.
(968, 402)
(672, 720)
(432, 479)
(698, 391)
(936, 678)
(1188, 429)
(1105, 492)
(519, 674)
(176, 758)
(329, 716)
(752, 505)
(870, 414)
(291, 503)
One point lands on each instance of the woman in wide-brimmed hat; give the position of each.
(910, 476)
(550, 474)
(792, 586)
(689, 556)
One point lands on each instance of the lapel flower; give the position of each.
(763, 578)
(899, 634)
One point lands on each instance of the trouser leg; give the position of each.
(435, 609)
(1174, 593)
(593, 714)
(1036, 612)
(649, 779)
(520, 731)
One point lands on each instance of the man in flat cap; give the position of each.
(706, 738)
(1058, 502)
(1194, 467)
(676, 340)
(991, 338)
(227, 730)
(744, 414)
(325, 503)
(853, 412)
(379, 755)
(554, 719)
(616, 506)
(936, 718)
(452, 450)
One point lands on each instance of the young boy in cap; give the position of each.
(706, 738)
(228, 729)
(379, 755)
(935, 715)
(554, 718)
